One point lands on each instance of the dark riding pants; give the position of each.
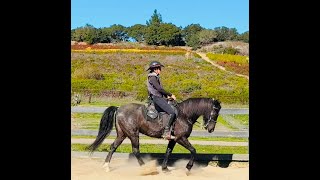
(161, 104)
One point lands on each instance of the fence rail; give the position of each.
(195, 133)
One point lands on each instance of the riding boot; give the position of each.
(167, 134)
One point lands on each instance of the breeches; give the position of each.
(161, 104)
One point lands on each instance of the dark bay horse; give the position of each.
(131, 119)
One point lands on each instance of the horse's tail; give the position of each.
(106, 124)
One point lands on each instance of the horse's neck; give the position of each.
(190, 116)
(194, 118)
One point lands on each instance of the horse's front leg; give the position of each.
(170, 147)
(135, 149)
(185, 143)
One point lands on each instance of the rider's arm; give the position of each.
(153, 81)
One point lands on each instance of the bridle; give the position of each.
(211, 118)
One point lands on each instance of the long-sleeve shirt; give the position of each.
(154, 82)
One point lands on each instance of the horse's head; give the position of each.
(210, 118)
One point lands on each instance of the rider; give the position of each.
(158, 95)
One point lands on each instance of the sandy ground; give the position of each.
(122, 169)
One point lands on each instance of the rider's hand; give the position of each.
(173, 97)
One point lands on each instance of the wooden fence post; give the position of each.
(90, 98)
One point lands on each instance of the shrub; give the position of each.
(228, 58)
(141, 96)
(190, 86)
(230, 50)
(88, 72)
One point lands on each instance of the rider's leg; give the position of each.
(167, 133)
(163, 104)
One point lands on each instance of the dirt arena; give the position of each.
(123, 169)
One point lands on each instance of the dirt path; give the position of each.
(203, 56)
(122, 169)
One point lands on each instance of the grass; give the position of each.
(227, 139)
(108, 101)
(151, 148)
(225, 123)
(235, 105)
(243, 118)
(87, 120)
(229, 58)
(235, 121)
(235, 63)
(87, 115)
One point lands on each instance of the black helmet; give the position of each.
(154, 64)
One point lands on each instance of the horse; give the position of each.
(131, 119)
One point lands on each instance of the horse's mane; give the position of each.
(196, 106)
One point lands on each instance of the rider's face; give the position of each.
(158, 70)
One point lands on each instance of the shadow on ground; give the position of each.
(220, 160)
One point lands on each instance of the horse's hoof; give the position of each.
(188, 172)
(165, 170)
(106, 167)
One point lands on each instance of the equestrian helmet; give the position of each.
(155, 64)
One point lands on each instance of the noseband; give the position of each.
(211, 118)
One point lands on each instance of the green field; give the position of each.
(243, 118)
(227, 139)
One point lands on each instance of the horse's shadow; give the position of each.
(221, 160)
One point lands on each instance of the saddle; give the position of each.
(154, 114)
(162, 117)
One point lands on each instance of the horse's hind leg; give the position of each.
(113, 148)
(135, 148)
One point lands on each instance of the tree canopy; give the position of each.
(157, 32)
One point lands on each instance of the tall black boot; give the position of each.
(167, 134)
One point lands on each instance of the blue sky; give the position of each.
(208, 13)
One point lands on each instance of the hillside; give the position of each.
(123, 74)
